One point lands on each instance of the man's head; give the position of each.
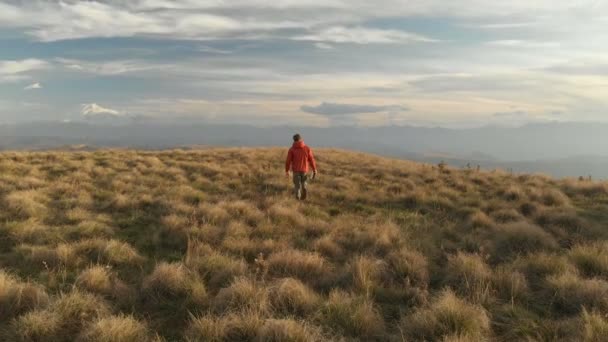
(297, 138)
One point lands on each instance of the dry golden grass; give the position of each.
(17, 297)
(170, 282)
(352, 316)
(591, 259)
(116, 329)
(469, 276)
(447, 317)
(595, 327)
(292, 297)
(208, 245)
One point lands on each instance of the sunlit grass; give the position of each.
(209, 245)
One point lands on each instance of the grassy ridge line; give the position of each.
(207, 245)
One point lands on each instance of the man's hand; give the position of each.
(314, 174)
(287, 174)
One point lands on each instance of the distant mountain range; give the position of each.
(559, 149)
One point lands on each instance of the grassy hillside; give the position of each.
(209, 246)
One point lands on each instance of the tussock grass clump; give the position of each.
(77, 306)
(447, 316)
(62, 320)
(213, 214)
(554, 198)
(169, 282)
(44, 256)
(116, 329)
(17, 297)
(89, 229)
(506, 215)
(538, 266)
(217, 269)
(232, 327)
(585, 188)
(242, 295)
(28, 203)
(306, 266)
(479, 219)
(520, 238)
(96, 278)
(352, 316)
(368, 273)
(591, 259)
(279, 330)
(572, 293)
(101, 280)
(409, 266)
(515, 323)
(469, 276)
(329, 248)
(368, 237)
(292, 297)
(594, 326)
(32, 231)
(513, 193)
(282, 213)
(107, 251)
(246, 211)
(36, 326)
(510, 285)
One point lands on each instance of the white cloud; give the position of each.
(362, 35)
(518, 43)
(92, 109)
(331, 109)
(323, 46)
(110, 68)
(16, 67)
(17, 70)
(212, 19)
(32, 86)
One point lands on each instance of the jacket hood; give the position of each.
(299, 144)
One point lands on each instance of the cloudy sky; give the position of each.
(306, 62)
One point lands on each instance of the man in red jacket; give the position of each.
(299, 158)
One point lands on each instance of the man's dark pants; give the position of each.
(299, 183)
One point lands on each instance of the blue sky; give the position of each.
(307, 62)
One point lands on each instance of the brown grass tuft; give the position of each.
(352, 316)
(116, 329)
(520, 238)
(594, 326)
(469, 276)
(279, 330)
(592, 259)
(233, 327)
(306, 266)
(571, 293)
(173, 281)
(17, 297)
(554, 198)
(36, 326)
(242, 295)
(447, 316)
(290, 296)
(73, 311)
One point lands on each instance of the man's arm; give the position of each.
(288, 161)
(311, 161)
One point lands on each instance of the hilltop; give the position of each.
(208, 245)
(567, 149)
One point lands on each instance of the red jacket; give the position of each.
(299, 158)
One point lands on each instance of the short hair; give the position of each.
(297, 137)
